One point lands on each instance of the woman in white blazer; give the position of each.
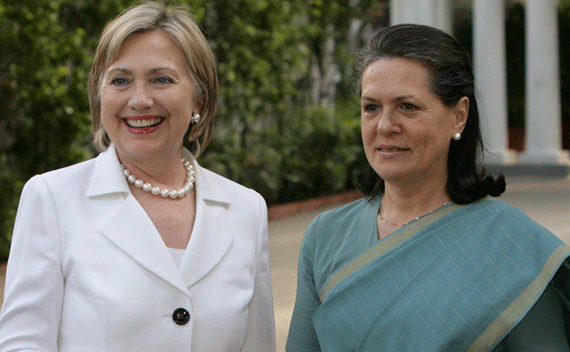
(141, 249)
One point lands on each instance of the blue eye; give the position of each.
(163, 80)
(119, 81)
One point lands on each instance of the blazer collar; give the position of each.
(108, 178)
(107, 175)
(207, 188)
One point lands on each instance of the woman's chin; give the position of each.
(391, 174)
(142, 149)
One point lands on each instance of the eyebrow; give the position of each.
(151, 71)
(403, 97)
(396, 99)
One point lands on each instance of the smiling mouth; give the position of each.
(144, 123)
(392, 149)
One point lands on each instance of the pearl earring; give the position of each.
(195, 118)
(457, 136)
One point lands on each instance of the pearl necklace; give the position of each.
(147, 187)
(417, 218)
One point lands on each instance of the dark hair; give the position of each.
(449, 67)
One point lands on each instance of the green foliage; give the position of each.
(44, 118)
(319, 153)
(313, 156)
(269, 135)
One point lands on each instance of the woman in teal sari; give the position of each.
(428, 260)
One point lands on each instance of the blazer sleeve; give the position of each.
(261, 326)
(33, 296)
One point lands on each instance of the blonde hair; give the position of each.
(183, 29)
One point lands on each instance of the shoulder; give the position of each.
(63, 175)
(336, 237)
(54, 191)
(346, 228)
(96, 176)
(64, 179)
(224, 182)
(241, 205)
(225, 188)
(491, 209)
(495, 216)
(345, 215)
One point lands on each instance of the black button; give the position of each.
(181, 316)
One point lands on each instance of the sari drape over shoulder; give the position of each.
(459, 280)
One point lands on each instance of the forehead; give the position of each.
(154, 47)
(388, 74)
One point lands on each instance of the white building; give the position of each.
(543, 147)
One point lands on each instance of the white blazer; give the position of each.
(88, 271)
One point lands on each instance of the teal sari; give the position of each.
(458, 280)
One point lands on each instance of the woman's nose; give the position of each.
(140, 98)
(387, 123)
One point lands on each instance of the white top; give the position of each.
(177, 254)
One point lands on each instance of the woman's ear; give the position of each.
(461, 114)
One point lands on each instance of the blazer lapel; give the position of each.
(211, 238)
(128, 226)
(130, 229)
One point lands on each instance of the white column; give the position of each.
(407, 11)
(490, 78)
(443, 15)
(543, 111)
(428, 12)
(424, 12)
(395, 12)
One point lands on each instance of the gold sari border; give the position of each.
(520, 306)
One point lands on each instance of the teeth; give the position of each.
(392, 149)
(144, 123)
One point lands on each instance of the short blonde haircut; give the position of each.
(183, 29)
